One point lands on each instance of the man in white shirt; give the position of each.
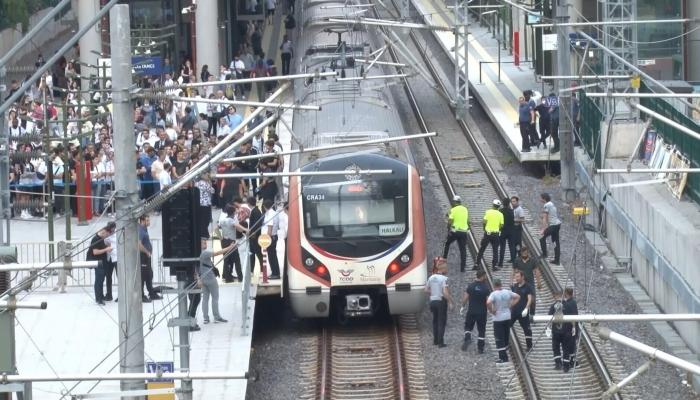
(283, 227)
(223, 129)
(164, 177)
(271, 227)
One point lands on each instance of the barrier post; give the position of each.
(516, 48)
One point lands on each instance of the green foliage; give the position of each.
(13, 12)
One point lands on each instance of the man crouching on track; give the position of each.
(439, 300)
(476, 294)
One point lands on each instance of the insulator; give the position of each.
(32, 203)
(4, 281)
(26, 156)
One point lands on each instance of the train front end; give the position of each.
(356, 243)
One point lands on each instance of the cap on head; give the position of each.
(457, 199)
(497, 203)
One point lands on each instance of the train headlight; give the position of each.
(309, 262)
(405, 258)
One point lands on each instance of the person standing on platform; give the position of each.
(499, 303)
(475, 295)
(534, 138)
(550, 225)
(271, 226)
(521, 309)
(518, 222)
(529, 266)
(270, 6)
(440, 299)
(507, 233)
(98, 251)
(227, 223)
(111, 260)
(290, 23)
(493, 223)
(146, 252)
(542, 111)
(553, 103)
(255, 222)
(564, 334)
(287, 52)
(458, 221)
(525, 115)
(206, 191)
(208, 274)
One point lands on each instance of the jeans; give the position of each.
(210, 287)
(204, 221)
(228, 261)
(110, 267)
(286, 61)
(553, 231)
(461, 238)
(98, 192)
(439, 310)
(501, 331)
(147, 275)
(99, 283)
(525, 134)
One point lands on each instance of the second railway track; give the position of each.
(465, 169)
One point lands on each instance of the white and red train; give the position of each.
(356, 243)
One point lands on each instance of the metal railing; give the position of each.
(38, 252)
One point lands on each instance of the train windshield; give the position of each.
(356, 210)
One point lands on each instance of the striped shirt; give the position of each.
(205, 192)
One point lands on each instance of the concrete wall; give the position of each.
(661, 235)
(9, 37)
(693, 43)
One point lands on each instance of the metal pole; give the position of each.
(674, 361)
(240, 102)
(122, 376)
(184, 330)
(667, 121)
(647, 171)
(301, 173)
(242, 80)
(627, 380)
(49, 177)
(646, 95)
(566, 137)
(54, 265)
(4, 167)
(560, 318)
(131, 344)
(603, 23)
(584, 77)
(28, 36)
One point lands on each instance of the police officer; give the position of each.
(458, 220)
(507, 234)
(553, 103)
(493, 223)
(476, 295)
(439, 300)
(563, 334)
(499, 303)
(521, 309)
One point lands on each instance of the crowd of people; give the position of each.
(503, 224)
(61, 136)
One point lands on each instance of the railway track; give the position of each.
(371, 362)
(471, 175)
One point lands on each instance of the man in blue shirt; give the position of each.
(146, 160)
(526, 116)
(146, 252)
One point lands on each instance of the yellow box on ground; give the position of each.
(581, 211)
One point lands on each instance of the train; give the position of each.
(356, 243)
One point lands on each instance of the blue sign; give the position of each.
(147, 65)
(164, 366)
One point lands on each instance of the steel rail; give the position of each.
(532, 243)
(324, 364)
(399, 372)
(527, 380)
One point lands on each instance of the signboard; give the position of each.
(533, 17)
(147, 65)
(105, 65)
(549, 41)
(164, 366)
(264, 240)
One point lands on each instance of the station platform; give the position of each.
(76, 336)
(498, 98)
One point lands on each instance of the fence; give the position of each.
(591, 117)
(38, 252)
(687, 145)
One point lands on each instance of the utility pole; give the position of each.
(566, 131)
(131, 344)
(461, 57)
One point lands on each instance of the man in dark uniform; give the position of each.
(476, 295)
(521, 309)
(146, 250)
(255, 223)
(530, 267)
(563, 334)
(98, 251)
